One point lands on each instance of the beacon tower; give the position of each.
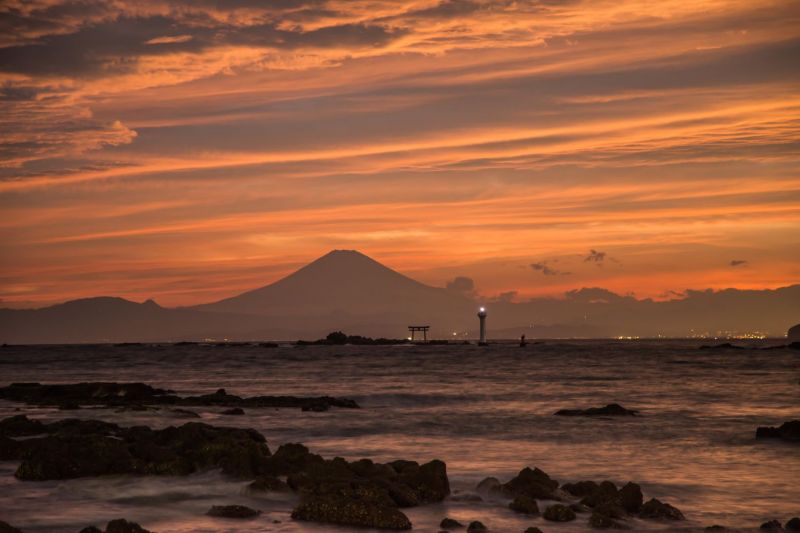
(482, 318)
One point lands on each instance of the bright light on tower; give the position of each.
(482, 318)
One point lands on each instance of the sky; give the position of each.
(187, 151)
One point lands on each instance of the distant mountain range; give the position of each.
(346, 290)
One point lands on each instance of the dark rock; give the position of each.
(352, 507)
(715, 527)
(559, 513)
(88, 529)
(793, 524)
(524, 504)
(121, 525)
(788, 431)
(471, 498)
(232, 511)
(533, 483)
(581, 488)
(428, 481)
(449, 523)
(598, 520)
(723, 346)
(490, 486)
(80, 448)
(772, 524)
(5, 527)
(476, 527)
(606, 492)
(658, 510)
(236, 411)
(630, 497)
(612, 409)
(268, 484)
(185, 413)
(20, 426)
(533, 530)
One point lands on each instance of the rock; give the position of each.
(524, 504)
(232, 511)
(772, 524)
(5, 527)
(81, 448)
(476, 527)
(88, 529)
(268, 484)
(20, 426)
(236, 411)
(490, 486)
(121, 525)
(793, 524)
(793, 334)
(788, 431)
(598, 520)
(185, 413)
(559, 513)
(723, 346)
(581, 488)
(658, 510)
(606, 492)
(449, 523)
(630, 497)
(471, 498)
(715, 527)
(533, 530)
(532, 483)
(351, 508)
(429, 481)
(612, 409)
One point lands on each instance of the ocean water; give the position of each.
(485, 411)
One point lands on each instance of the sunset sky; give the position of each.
(186, 151)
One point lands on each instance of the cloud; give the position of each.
(461, 284)
(545, 269)
(595, 257)
(505, 297)
(738, 262)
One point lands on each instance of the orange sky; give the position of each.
(190, 150)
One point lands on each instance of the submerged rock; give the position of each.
(449, 523)
(524, 504)
(120, 525)
(612, 409)
(788, 431)
(655, 509)
(490, 486)
(559, 513)
(476, 527)
(236, 411)
(723, 346)
(598, 520)
(232, 511)
(772, 524)
(268, 484)
(533, 530)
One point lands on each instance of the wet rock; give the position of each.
(532, 483)
(490, 486)
(598, 520)
(658, 510)
(121, 525)
(315, 407)
(268, 484)
(470, 498)
(80, 448)
(772, 524)
(793, 524)
(5, 527)
(232, 511)
(612, 409)
(605, 492)
(356, 508)
(236, 411)
(788, 431)
(715, 527)
(449, 523)
(184, 413)
(20, 426)
(723, 346)
(89, 529)
(559, 513)
(533, 530)
(476, 527)
(428, 481)
(581, 488)
(524, 504)
(630, 497)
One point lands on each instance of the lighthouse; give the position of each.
(482, 318)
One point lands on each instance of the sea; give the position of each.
(484, 410)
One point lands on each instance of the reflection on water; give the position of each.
(484, 411)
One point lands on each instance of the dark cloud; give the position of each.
(505, 297)
(461, 284)
(547, 270)
(738, 262)
(595, 257)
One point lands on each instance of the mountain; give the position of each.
(345, 283)
(346, 290)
